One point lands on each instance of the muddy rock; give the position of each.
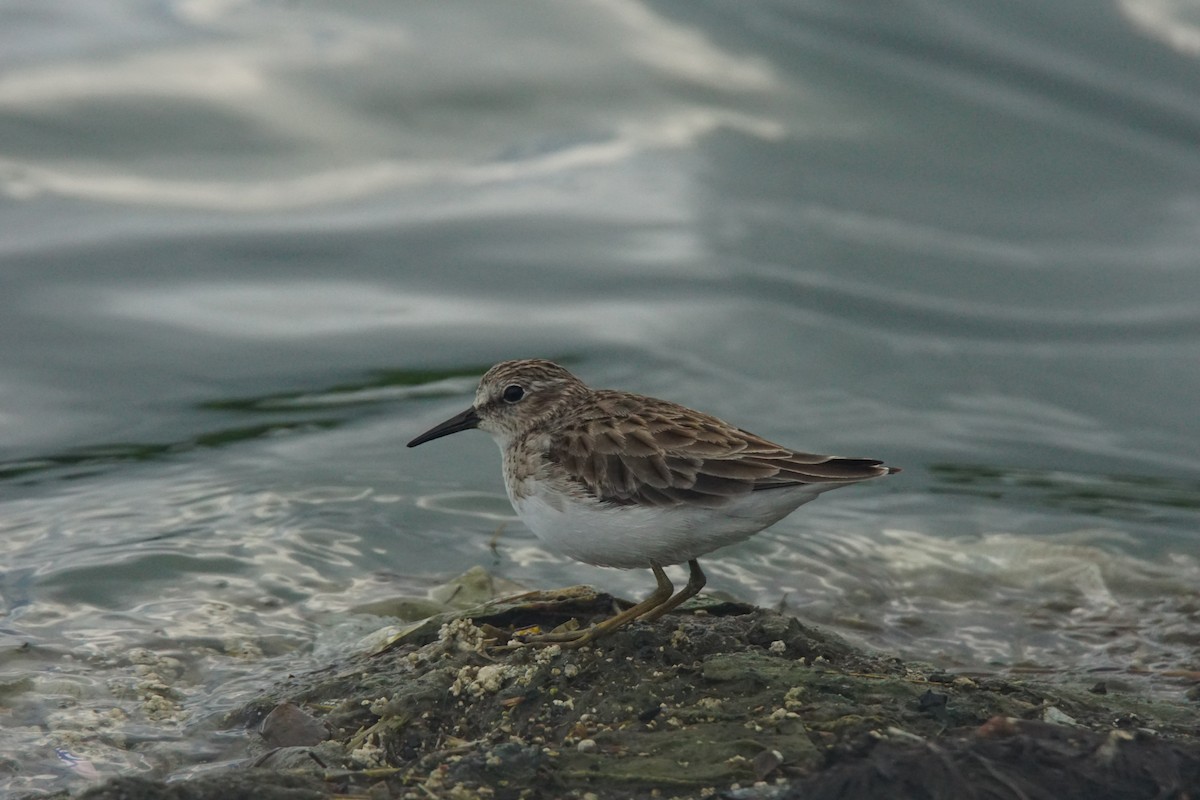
(723, 701)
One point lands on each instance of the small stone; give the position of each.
(765, 763)
(931, 700)
(290, 726)
(1056, 716)
(650, 713)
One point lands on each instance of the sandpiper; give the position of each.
(618, 479)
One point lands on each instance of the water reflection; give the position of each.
(1147, 498)
(289, 413)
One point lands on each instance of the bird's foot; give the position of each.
(567, 638)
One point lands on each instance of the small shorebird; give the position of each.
(617, 479)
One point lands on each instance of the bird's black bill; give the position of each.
(459, 422)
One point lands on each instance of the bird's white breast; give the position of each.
(632, 536)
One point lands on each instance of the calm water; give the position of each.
(248, 249)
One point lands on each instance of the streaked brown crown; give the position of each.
(546, 389)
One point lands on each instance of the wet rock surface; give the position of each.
(728, 701)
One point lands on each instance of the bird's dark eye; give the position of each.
(512, 393)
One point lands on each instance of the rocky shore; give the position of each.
(722, 700)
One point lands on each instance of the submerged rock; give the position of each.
(727, 701)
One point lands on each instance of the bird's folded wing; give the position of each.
(663, 455)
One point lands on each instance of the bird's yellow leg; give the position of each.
(696, 581)
(573, 639)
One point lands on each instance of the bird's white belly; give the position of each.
(639, 536)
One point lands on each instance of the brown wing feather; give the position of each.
(629, 449)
